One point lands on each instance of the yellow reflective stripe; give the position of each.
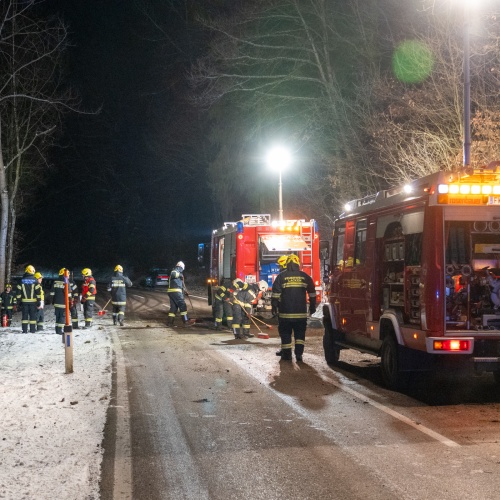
(300, 342)
(286, 346)
(293, 316)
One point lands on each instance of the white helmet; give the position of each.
(181, 265)
(263, 286)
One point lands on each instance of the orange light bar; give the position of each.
(485, 189)
(451, 345)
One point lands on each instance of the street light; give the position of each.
(278, 159)
(466, 85)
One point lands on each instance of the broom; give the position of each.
(261, 334)
(102, 312)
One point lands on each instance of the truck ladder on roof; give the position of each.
(307, 255)
(256, 219)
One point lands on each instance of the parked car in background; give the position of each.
(157, 277)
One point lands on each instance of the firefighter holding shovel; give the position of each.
(118, 288)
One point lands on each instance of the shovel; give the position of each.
(102, 312)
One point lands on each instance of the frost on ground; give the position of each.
(52, 423)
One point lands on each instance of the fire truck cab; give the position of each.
(415, 276)
(249, 249)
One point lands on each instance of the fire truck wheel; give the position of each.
(392, 376)
(332, 352)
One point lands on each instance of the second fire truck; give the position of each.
(249, 249)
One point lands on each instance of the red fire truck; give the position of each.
(415, 276)
(249, 249)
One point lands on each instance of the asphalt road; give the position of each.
(197, 414)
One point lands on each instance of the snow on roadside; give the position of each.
(52, 423)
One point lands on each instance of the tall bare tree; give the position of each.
(300, 71)
(32, 100)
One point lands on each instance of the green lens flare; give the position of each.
(412, 62)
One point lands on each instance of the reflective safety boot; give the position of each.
(237, 334)
(247, 333)
(170, 321)
(286, 354)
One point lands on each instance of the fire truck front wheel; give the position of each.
(393, 377)
(332, 352)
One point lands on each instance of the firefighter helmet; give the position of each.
(86, 272)
(119, 269)
(62, 271)
(8, 285)
(38, 276)
(293, 258)
(238, 284)
(263, 286)
(181, 265)
(30, 269)
(282, 261)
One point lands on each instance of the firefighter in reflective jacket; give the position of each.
(58, 298)
(118, 288)
(40, 315)
(176, 291)
(289, 301)
(223, 305)
(29, 299)
(89, 291)
(8, 300)
(243, 297)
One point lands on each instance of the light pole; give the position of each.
(279, 159)
(466, 86)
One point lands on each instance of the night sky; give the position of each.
(126, 181)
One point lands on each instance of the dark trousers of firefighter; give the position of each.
(40, 316)
(60, 319)
(118, 312)
(73, 310)
(88, 312)
(287, 328)
(8, 313)
(29, 316)
(241, 318)
(177, 303)
(221, 308)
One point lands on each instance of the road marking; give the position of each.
(140, 296)
(122, 486)
(412, 423)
